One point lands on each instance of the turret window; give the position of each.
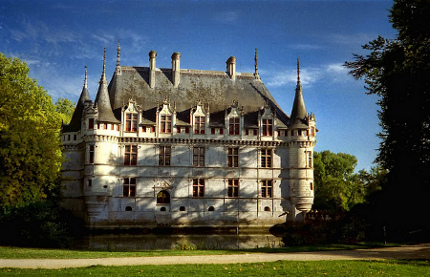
(91, 154)
(267, 127)
(130, 155)
(266, 157)
(266, 188)
(309, 154)
(199, 125)
(234, 126)
(131, 122)
(91, 123)
(166, 124)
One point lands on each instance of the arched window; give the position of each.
(211, 209)
(163, 197)
(163, 209)
(267, 209)
(128, 208)
(182, 208)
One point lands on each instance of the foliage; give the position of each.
(65, 108)
(337, 187)
(278, 268)
(30, 154)
(40, 224)
(398, 72)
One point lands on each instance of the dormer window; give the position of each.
(234, 126)
(166, 124)
(199, 125)
(131, 122)
(267, 127)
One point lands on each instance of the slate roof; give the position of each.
(213, 88)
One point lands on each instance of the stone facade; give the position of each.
(187, 148)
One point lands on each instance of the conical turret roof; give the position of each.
(102, 101)
(75, 122)
(298, 113)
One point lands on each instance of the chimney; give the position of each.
(231, 67)
(176, 69)
(152, 57)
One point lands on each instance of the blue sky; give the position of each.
(58, 38)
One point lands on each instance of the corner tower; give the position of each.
(301, 142)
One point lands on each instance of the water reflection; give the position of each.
(121, 242)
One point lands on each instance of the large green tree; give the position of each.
(398, 71)
(30, 153)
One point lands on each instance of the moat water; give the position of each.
(122, 242)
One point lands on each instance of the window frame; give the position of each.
(91, 154)
(129, 185)
(199, 125)
(130, 154)
(198, 188)
(267, 127)
(233, 157)
(165, 124)
(233, 188)
(266, 190)
(131, 122)
(266, 157)
(164, 155)
(199, 154)
(234, 126)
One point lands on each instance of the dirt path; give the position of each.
(420, 251)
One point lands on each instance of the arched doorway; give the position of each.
(163, 197)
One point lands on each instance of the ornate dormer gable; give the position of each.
(266, 121)
(166, 117)
(199, 118)
(234, 119)
(131, 115)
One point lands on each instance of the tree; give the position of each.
(65, 108)
(398, 71)
(30, 153)
(336, 185)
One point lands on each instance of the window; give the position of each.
(163, 197)
(198, 188)
(266, 157)
(233, 188)
(267, 127)
(178, 130)
(105, 126)
(211, 209)
(267, 209)
(91, 154)
(312, 132)
(131, 122)
(198, 156)
(234, 126)
(91, 123)
(112, 127)
(311, 186)
(166, 124)
(199, 125)
(164, 157)
(233, 157)
(182, 208)
(128, 208)
(266, 188)
(221, 131)
(212, 131)
(309, 158)
(130, 155)
(129, 187)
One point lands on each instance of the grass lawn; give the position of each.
(37, 253)
(280, 268)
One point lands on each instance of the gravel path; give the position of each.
(420, 251)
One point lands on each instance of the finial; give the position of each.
(85, 82)
(103, 77)
(256, 65)
(298, 71)
(118, 52)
